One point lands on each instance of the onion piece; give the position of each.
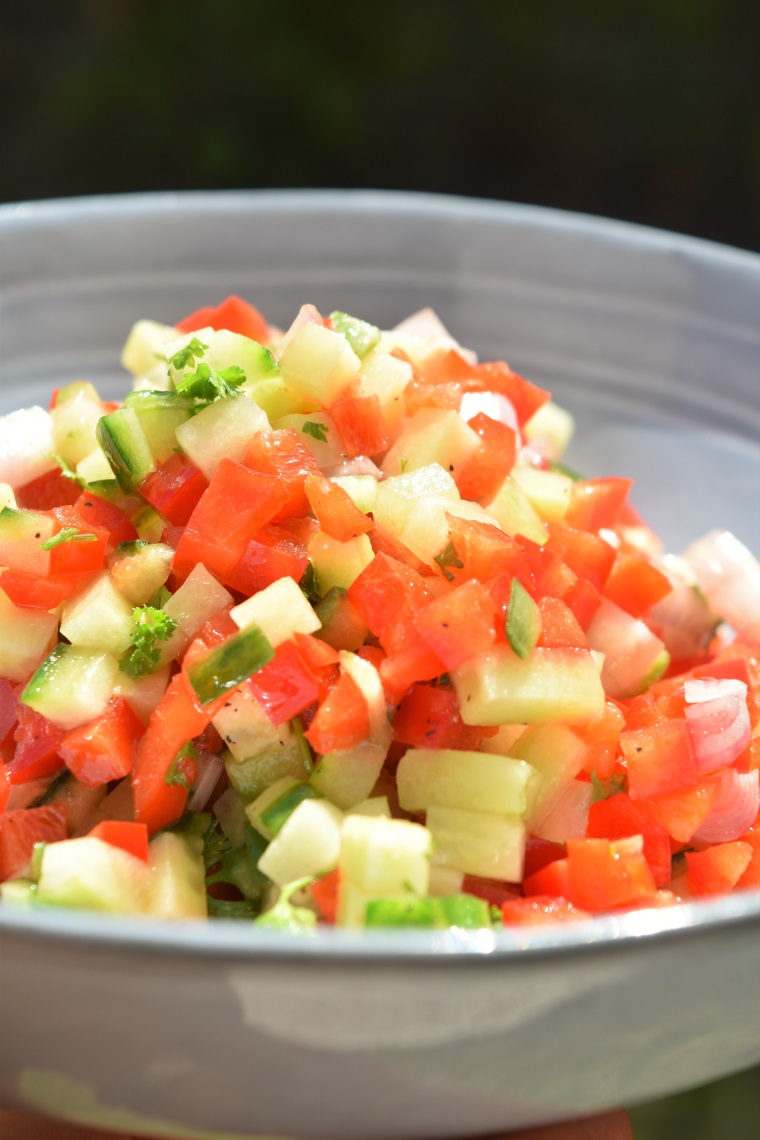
(433, 335)
(718, 719)
(729, 576)
(734, 810)
(26, 443)
(493, 404)
(210, 768)
(359, 465)
(307, 315)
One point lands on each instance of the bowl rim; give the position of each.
(230, 940)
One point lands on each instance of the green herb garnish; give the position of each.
(68, 534)
(188, 354)
(285, 916)
(603, 789)
(151, 627)
(449, 558)
(206, 384)
(315, 430)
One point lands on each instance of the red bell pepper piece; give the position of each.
(130, 837)
(233, 314)
(361, 425)
(174, 489)
(103, 749)
(283, 454)
(20, 830)
(342, 719)
(337, 513)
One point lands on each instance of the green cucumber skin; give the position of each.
(277, 813)
(464, 911)
(123, 441)
(231, 663)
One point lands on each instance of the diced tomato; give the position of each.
(559, 626)
(337, 513)
(681, 813)
(428, 717)
(538, 910)
(618, 817)
(422, 393)
(604, 875)
(459, 624)
(342, 719)
(233, 314)
(174, 489)
(539, 853)
(660, 759)
(285, 686)
(485, 551)
(596, 503)
(325, 891)
(317, 653)
(602, 736)
(387, 593)
(635, 584)
(361, 425)
(587, 555)
(643, 712)
(488, 466)
(401, 669)
(77, 557)
(103, 749)
(130, 837)
(97, 512)
(283, 454)
(584, 600)
(37, 593)
(717, 870)
(37, 743)
(551, 879)
(8, 711)
(174, 723)
(20, 830)
(272, 554)
(53, 489)
(525, 398)
(383, 542)
(236, 504)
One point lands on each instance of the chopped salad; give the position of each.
(317, 628)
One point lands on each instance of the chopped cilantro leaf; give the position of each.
(449, 558)
(188, 354)
(151, 626)
(603, 789)
(315, 430)
(240, 909)
(68, 534)
(207, 383)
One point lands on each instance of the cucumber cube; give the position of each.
(476, 781)
(306, 845)
(227, 665)
(385, 856)
(199, 598)
(432, 436)
(347, 778)
(99, 617)
(21, 536)
(25, 635)
(318, 363)
(224, 428)
(338, 563)
(515, 513)
(92, 875)
(492, 846)
(178, 879)
(72, 685)
(279, 610)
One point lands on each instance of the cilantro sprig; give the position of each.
(151, 626)
(205, 384)
(68, 534)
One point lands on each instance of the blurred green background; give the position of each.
(646, 110)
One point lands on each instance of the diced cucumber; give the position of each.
(432, 435)
(477, 781)
(18, 892)
(515, 513)
(222, 349)
(548, 491)
(92, 875)
(148, 524)
(375, 805)
(478, 843)
(160, 414)
(338, 563)
(146, 346)
(7, 497)
(347, 778)
(274, 397)
(99, 617)
(143, 694)
(224, 428)
(73, 423)
(139, 569)
(307, 843)
(362, 489)
(227, 665)
(342, 628)
(229, 809)
(268, 812)
(126, 447)
(444, 880)
(25, 635)
(523, 620)
(464, 911)
(95, 469)
(361, 335)
(497, 687)
(551, 427)
(397, 495)
(178, 878)
(318, 363)
(199, 598)
(557, 755)
(386, 377)
(385, 856)
(279, 610)
(426, 531)
(634, 657)
(21, 536)
(80, 801)
(72, 685)
(567, 816)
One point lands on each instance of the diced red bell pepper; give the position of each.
(342, 719)
(602, 736)
(283, 454)
(233, 314)
(485, 551)
(130, 837)
(285, 686)
(174, 489)
(272, 554)
(337, 513)
(236, 504)
(681, 813)
(20, 830)
(325, 891)
(37, 743)
(551, 879)
(37, 593)
(103, 749)
(95, 511)
(635, 584)
(596, 503)
(174, 723)
(538, 910)
(5, 787)
(387, 593)
(584, 600)
(428, 717)
(618, 817)
(486, 469)
(361, 425)
(459, 624)
(717, 870)
(605, 875)
(8, 710)
(525, 398)
(53, 489)
(587, 555)
(660, 759)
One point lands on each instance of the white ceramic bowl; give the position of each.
(227, 1031)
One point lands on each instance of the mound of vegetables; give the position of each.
(316, 627)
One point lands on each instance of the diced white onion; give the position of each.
(26, 443)
(493, 404)
(427, 325)
(210, 768)
(360, 465)
(729, 576)
(734, 810)
(718, 719)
